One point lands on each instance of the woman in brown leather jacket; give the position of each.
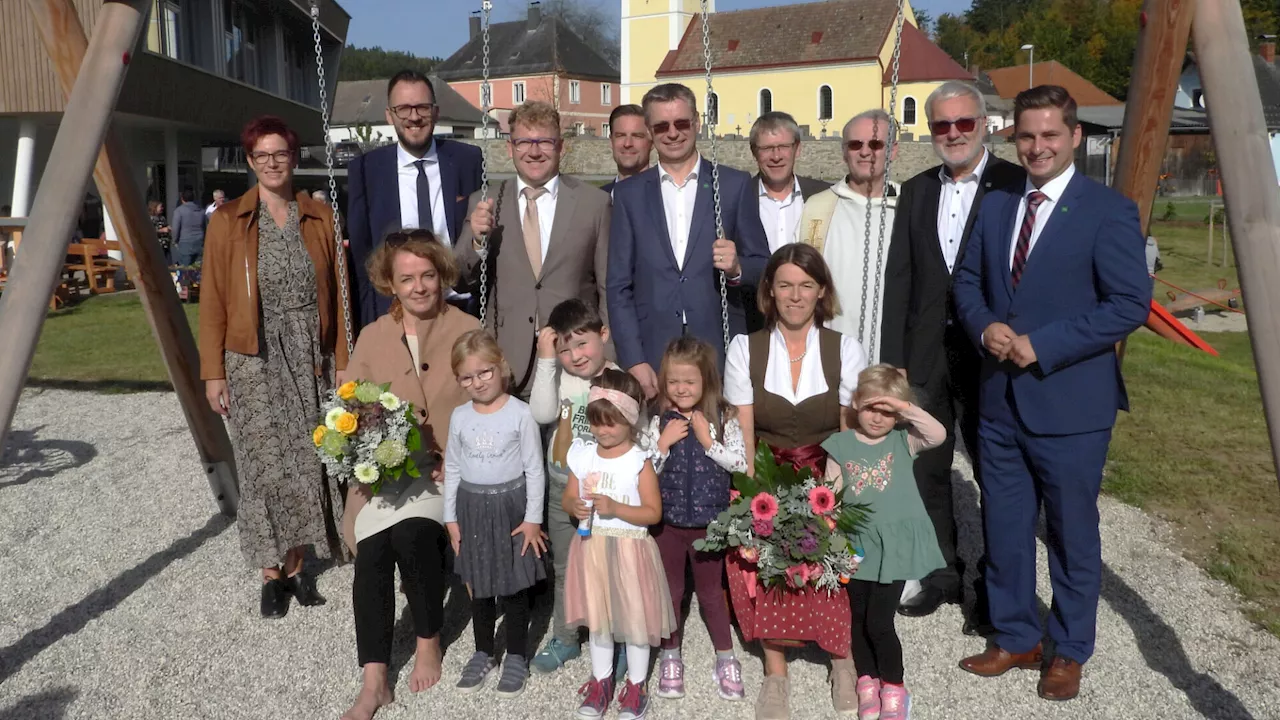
(271, 342)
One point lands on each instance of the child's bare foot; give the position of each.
(426, 664)
(375, 694)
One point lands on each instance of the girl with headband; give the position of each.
(615, 584)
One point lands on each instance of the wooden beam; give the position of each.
(1248, 184)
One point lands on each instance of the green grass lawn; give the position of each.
(1184, 244)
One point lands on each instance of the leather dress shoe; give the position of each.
(275, 599)
(995, 661)
(303, 588)
(926, 602)
(975, 626)
(1061, 680)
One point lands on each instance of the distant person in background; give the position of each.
(1153, 260)
(155, 209)
(187, 230)
(631, 143)
(219, 197)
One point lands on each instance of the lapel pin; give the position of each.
(1064, 208)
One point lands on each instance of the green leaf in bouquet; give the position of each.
(385, 387)
(853, 518)
(700, 545)
(734, 541)
(766, 468)
(414, 441)
(411, 467)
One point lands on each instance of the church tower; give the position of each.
(651, 29)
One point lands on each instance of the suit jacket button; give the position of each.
(530, 318)
(425, 367)
(538, 286)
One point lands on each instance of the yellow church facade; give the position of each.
(822, 62)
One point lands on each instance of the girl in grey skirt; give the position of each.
(493, 496)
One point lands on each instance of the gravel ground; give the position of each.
(125, 596)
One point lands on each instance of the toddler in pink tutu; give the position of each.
(615, 585)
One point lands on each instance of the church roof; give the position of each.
(816, 33)
(922, 61)
(1010, 81)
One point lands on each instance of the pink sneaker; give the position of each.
(895, 702)
(868, 698)
(671, 679)
(729, 679)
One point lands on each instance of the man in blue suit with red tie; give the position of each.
(1053, 278)
(421, 181)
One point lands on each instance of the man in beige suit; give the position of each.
(549, 244)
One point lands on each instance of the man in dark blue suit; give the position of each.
(420, 182)
(664, 257)
(1054, 276)
(630, 142)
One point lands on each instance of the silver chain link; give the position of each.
(341, 252)
(715, 168)
(884, 195)
(486, 102)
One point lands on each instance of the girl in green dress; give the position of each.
(873, 460)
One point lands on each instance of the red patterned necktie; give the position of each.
(1024, 235)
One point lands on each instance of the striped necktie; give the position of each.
(1023, 247)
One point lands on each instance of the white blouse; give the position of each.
(777, 375)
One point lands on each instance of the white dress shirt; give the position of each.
(677, 205)
(777, 374)
(1053, 193)
(407, 177)
(781, 218)
(546, 204)
(954, 204)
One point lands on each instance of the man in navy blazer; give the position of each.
(630, 142)
(421, 182)
(664, 257)
(1054, 276)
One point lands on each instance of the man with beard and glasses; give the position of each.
(420, 182)
(835, 221)
(935, 214)
(630, 141)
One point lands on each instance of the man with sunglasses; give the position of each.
(419, 182)
(550, 242)
(665, 258)
(836, 222)
(936, 212)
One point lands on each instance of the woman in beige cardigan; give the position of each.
(409, 348)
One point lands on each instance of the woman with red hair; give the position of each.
(271, 343)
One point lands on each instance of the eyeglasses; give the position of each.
(964, 125)
(524, 145)
(483, 376)
(404, 112)
(770, 149)
(282, 157)
(856, 145)
(663, 127)
(400, 237)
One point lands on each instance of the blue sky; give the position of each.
(438, 27)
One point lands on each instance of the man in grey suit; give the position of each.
(550, 242)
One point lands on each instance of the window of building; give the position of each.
(606, 94)
(826, 103)
(575, 92)
(486, 95)
(517, 92)
(909, 111)
(579, 128)
(604, 130)
(241, 25)
(164, 36)
(300, 67)
(766, 101)
(713, 109)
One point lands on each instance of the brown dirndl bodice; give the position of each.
(782, 424)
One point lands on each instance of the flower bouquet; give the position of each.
(794, 528)
(368, 434)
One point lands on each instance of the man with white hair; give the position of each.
(836, 222)
(219, 197)
(921, 332)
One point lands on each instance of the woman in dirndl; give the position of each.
(790, 383)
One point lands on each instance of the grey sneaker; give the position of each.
(774, 697)
(475, 672)
(515, 671)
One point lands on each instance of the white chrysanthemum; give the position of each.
(389, 401)
(366, 473)
(331, 418)
(390, 453)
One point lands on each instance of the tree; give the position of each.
(595, 25)
(377, 64)
(924, 21)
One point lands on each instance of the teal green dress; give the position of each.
(898, 542)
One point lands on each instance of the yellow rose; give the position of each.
(346, 423)
(317, 436)
(347, 390)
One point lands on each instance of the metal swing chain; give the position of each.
(715, 169)
(890, 143)
(341, 253)
(486, 101)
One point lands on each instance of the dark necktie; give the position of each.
(1024, 235)
(424, 198)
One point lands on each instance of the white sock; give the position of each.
(637, 663)
(602, 656)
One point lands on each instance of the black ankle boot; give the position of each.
(303, 588)
(275, 599)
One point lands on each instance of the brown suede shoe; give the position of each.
(1061, 680)
(994, 661)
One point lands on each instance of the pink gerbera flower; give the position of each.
(764, 506)
(821, 500)
(734, 495)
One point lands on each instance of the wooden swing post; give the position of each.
(91, 75)
(1239, 133)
